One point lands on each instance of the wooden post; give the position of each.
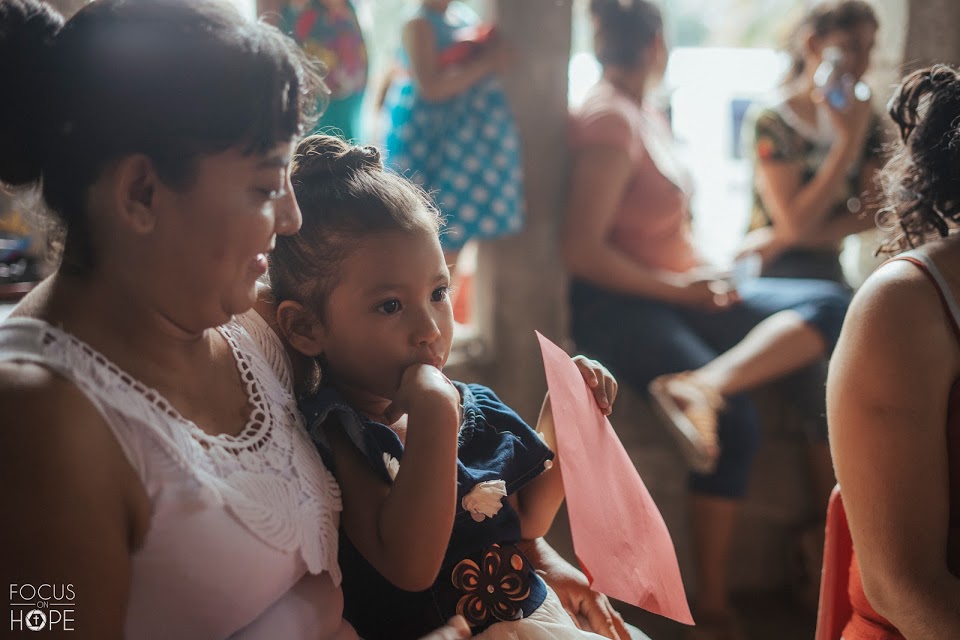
(520, 282)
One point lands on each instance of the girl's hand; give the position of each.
(424, 389)
(599, 379)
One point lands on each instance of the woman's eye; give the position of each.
(271, 194)
(389, 307)
(440, 294)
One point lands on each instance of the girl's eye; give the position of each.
(440, 294)
(389, 307)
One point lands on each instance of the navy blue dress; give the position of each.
(483, 576)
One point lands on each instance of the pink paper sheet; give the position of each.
(619, 536)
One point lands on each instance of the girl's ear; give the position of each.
(300, 328)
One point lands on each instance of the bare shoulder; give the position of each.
(897, 322)
(64, 476)
(52, 432)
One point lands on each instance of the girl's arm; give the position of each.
(798, 208)
(539, 500)
(436, 83)
(74, 507)
(403, 530)
(887, 395)
(601, 174)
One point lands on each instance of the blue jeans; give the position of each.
(639, 339)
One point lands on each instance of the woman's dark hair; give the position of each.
(623, 29)
(822, 20)
(171, 79)
(345, 194)
(921, 181)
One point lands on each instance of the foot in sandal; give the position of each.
(690, 409)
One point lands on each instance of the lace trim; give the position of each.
(269, 477)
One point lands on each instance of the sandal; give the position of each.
(690, 408)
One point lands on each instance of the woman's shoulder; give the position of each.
(52, 430)
(902, 295)
(605, 118)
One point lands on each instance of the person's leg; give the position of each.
(779, 326)
(780, 344)
(715, 504)
(639, 340)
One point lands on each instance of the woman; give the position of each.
(645, 303)
(151, 445)
(895, 432)
(815, 163)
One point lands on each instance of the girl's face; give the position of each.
(210, 241)
(856, 44)
(390, 310)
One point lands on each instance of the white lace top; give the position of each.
(242, 540)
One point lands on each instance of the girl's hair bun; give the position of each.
(320, 155)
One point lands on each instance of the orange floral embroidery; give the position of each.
(495, 588)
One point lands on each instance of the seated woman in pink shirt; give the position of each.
(647, 303)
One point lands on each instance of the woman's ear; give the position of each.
(812, 44)
(300, 328)
(133, 193)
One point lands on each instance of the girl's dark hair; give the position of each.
(822, 20)
(345, 194)
(921, 181)
(171, 79)
(623, 30)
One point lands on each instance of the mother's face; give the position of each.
(210, 241)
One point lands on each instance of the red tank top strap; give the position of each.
(947, 299)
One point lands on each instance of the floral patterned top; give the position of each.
(484, 577)
(777, 133)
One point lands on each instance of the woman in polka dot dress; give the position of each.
(449, 127)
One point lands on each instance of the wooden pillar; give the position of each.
(520, 282)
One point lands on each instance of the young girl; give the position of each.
(449, 127)
(363, 297)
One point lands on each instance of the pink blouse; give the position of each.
(652, 223)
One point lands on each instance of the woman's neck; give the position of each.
(800, 96)
(630, 84)
(135, 337)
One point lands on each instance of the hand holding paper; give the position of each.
(619, 536)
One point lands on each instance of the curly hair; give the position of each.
(921, 181)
